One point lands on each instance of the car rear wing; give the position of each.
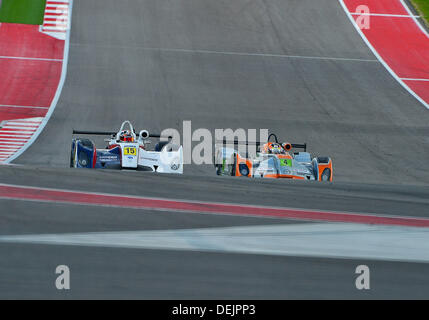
(110, 133)
(300, 146)
(258, 143)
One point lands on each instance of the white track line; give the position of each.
(20, 130)
(28, 107)
(30, 58)
(12, 139)
(13, 143)
(19, 127)
(257, 54)
(20, 137)
(232, 53)
(413, 79)
(384, 15)
(53, 6)
(61, 11)
(403, 84)
(56, 17)
(27, 120)
(57, 28)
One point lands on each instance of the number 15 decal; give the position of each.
(130, 151)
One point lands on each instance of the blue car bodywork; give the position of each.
(85, 155)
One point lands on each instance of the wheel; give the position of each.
(87, 143)
(234, 164)
(72, 156)
(326, 174)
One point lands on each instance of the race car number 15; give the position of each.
(130, 151)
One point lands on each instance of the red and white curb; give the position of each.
(56, 21)
(397, 39)
(49, 195)
(14, 134)
(18, 135)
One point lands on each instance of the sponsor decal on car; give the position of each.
(286, 162)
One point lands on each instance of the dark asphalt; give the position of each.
(108, 273)
(405, 200)
(158, 63)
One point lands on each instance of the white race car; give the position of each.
(126, 150)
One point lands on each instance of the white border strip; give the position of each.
(26, 107)
(414, 79)
(383, 15)
(379, 57)
(30, 58)
(56, 97)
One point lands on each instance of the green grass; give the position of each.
(22, 11)
(422, 7)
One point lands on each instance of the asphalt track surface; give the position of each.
(147, 61)
(294, 67)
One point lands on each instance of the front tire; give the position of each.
(72, 155)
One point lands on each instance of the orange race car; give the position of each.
(273, 160)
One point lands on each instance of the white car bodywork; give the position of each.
(134, 154)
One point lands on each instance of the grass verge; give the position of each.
(422, 7)
(22, 11)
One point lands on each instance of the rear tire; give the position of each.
(218, 169)
(323, 160)
(87, 143)
(326, 174)
(234, 164)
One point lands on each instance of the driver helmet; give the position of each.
(126, 136)
(275, 148)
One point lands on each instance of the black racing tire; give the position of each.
(218, 169)
(87, 143)
(326, 175)
(72, 155)
(323, 160)
(234, 164)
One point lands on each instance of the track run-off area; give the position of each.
(398, 40)
(33, 63)
(305, 71)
